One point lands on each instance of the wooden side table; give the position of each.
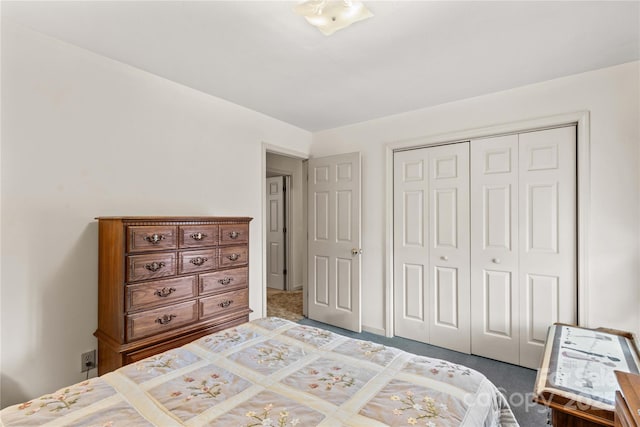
(576, 378)
(627, 412)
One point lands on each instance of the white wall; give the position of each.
(297, 226)
(84, 136)
(612, 96)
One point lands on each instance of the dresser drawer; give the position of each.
(233, 255)
(159, 292)
(152, 266)
(151, 238)
(234, 233)
(198, 236)
(223, 303)
(194, 261)
(220, 281)
(163, 319)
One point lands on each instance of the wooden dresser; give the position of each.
(627, 400)
(165, 281)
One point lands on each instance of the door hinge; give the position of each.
(284, 230)
(284, 271)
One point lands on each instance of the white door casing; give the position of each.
(275, 233)
(431, 245)
(334, 203)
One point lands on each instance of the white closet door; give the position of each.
(548, 253)
(410, 244)
(494, 248)
(523, 242)
(431, 245)
(449, 320)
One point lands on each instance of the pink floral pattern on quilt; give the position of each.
(66, 400)
(189, 395)
(402, 403)
(365, 350)
(159, 364)
(329, 380)
(312, 336)
(269, 356)
(229, 338)
(270, 409)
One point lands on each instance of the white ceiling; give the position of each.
(410, 55)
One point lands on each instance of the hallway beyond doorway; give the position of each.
(284, 304)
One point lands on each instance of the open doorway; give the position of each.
(285, 203)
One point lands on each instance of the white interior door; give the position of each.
(431, 245)
(275, 233)
(334, 240)
(495, 293)
(548, 236)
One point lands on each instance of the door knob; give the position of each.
(496, 260)
(444, 258)
(356, 251)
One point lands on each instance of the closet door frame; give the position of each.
(580, 119)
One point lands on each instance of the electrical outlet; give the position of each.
(88, 360)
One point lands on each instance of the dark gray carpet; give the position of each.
(515, 382)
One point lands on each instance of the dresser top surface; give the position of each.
(173, 218)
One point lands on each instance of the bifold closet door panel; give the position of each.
(411, 252)
(449, 292)
(431, 245)
(548, 236)
(495, 291)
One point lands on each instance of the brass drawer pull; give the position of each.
(233, 257)
(234, 234)
(225, 281)
(198, 261)
(165, 319)
(164, 292)
(198, 236)
(154, 239)
(154, 266)
(225, 304)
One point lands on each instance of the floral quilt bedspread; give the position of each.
(273, 372)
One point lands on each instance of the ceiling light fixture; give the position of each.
(330, 16)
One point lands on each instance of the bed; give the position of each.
(273, 372)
